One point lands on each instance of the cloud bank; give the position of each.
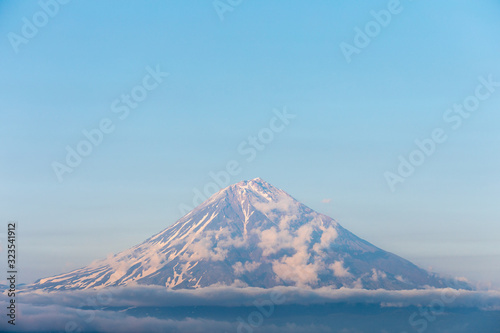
(231, 309)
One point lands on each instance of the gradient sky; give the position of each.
(225, 79)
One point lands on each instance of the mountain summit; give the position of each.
(250, 234)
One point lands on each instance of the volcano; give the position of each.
(251, 234)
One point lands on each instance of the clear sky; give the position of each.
(65, 73)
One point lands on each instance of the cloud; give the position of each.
(376, 274)
(272, 240)
(55, 318)
(112, 309)
(204, 249)
(284, 203)
(326, 200)
(214, 246)
(400, 278)
(232, 296)
(240, 268)
(280, 212)
(338, 269)
(328, 236)
(298, 268)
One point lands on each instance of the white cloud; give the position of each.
(358, 284)
(240, 269)
(271, 240)
(462, 279)
(280, 212)
(328, 236)
(233, 296)
(225, 239)
(296, 269)
(376, 274)
(326, 200)
(338, 269)
(43, 311)
(284, 203)
(400, 278)
(214, 246)
(204, 249)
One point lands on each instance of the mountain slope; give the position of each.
(250, 234)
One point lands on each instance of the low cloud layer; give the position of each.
(233, 296)
(121, 309)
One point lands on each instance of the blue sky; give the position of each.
(225, 79)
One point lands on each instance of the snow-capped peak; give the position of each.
(250, 233)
